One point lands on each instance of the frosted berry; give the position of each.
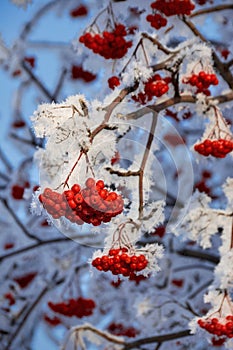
(156, 86)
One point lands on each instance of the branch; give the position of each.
(211, 10)
(199, 255)
(27, 314)
(173, 101)
(40, 244)
(157, 339)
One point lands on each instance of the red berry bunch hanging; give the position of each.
(156, 20)
(108, 44)
(94, 204)
(202, 81)
(173, 7)
(216, 148)
(220, 328)
(120, 329)
(120, 262)
(74, 307)
(113, 82)
(155, 86)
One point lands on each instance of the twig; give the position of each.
(17, 220)
(144, 160)
(157, 339)
(34, 304)
(40, 244)
(37, 81)
(59, 84)
(88, 327)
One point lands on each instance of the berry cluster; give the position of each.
(155, 86)
(79, 11)
(74, 307)
(53, 321)
(118, 261)
(77, 72)
(113, 82)
(120, 329)
(173, 7)
(156, 20)
(25, 280)
(202, 81)
(217, 327)
(216, 148)
(108, 44)
(94, 204)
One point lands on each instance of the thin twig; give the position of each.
(17, 220)
(157, 339)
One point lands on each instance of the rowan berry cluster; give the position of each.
(108, 44)
(113, 82)
(202, 81)
(53, 321)
(77, 72)
(156, 20)
(217, 327)
(79, 307)
(173, 7)
(94, 204)
(216, 148)
(119, 262)
(120, 329)
(79, 11)
(155, 86)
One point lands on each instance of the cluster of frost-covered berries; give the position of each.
(220, 328)
(155, 86)
(202, 81)
(79, 307)
(93, 204)
(120, 262)
(216, 148)
(108, 44)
